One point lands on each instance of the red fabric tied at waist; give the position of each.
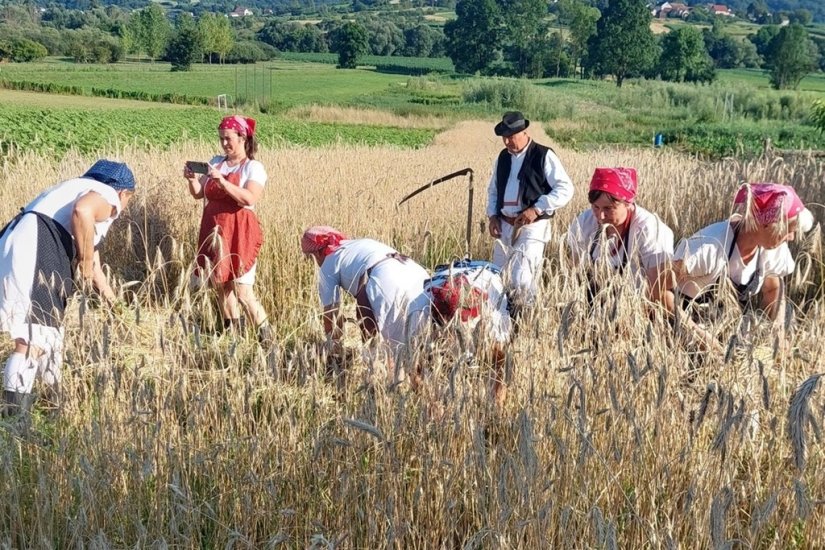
(230, 236)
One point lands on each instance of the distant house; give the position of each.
(677, 9)
(240, 12)
(671, 9)
(720, 9)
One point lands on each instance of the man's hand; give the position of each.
(527, 216)
(494, 226)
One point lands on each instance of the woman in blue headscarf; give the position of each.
(56, 233)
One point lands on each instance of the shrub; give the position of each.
(24, 50)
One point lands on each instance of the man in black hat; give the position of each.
(527, 186)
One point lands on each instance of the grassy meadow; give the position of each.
(614, 434)
(731, 117)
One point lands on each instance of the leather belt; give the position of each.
(512, 219)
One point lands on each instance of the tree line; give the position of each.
(516, 37)
(522, 38)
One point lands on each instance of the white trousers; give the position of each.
(391, 288)
(520, 255)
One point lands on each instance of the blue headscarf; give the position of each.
(114, 174)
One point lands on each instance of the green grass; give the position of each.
(59, 129)
(282, 83)
(759, 78)
(397, 64)
(740, 109)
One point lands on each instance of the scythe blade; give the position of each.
(448, 177)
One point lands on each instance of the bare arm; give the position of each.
(333, 323)
(663, 290)
(100, 281)
(195, 183)
(88, 210)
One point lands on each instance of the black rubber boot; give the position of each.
(16, 404)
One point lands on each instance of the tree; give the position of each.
(216, 33)
(474, 36)
(684, 57)
(801, 16)
(23, 50)
(791, 55)
(223, 40)
(526, 37)
(623, 44)
(422, 40)
(725, 50)
(383, 37)
(349, 41)
(580, 19)
(763, 38)
(154, 31)
(758, 12)
(186, 45)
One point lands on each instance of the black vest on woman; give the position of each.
(532, 182)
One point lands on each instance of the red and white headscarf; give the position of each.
(454, 295)
(620, 183)
(323, 239)
(243, 125)
(769, 203)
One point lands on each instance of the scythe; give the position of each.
(448, 177)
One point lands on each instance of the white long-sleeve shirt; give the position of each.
(560, 183)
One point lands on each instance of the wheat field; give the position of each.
(614, 435)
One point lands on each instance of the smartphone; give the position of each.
(198, 167)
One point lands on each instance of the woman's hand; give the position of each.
(216, 175)
(195, 186)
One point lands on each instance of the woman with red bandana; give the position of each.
(465, 293)
(619, 234)
(382, 281)
(749, 251)
(230, 235)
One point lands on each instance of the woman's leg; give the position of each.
(256, 313)
(228, 303)
(250, 303)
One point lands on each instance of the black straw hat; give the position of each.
(511, 123)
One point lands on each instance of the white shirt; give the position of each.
(250, 170)
(561, 186)
(344, 268)
(494, 309)
(649, 241)
(58, 203)
(704, 256)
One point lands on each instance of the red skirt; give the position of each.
(229, 241)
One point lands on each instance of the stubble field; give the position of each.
(614, 435)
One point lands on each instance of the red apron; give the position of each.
(230, 236)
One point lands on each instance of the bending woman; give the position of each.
(230, 235)
(471, 292)
(619, 234)
(747, 254)
(57, 231)
(382, 281)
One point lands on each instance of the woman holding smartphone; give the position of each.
(230, 235)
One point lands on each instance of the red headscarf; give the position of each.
(620, 183)
(454, 294)
(769, 201)
(321, 238)
(243, 125)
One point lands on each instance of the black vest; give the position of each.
(531, 181)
